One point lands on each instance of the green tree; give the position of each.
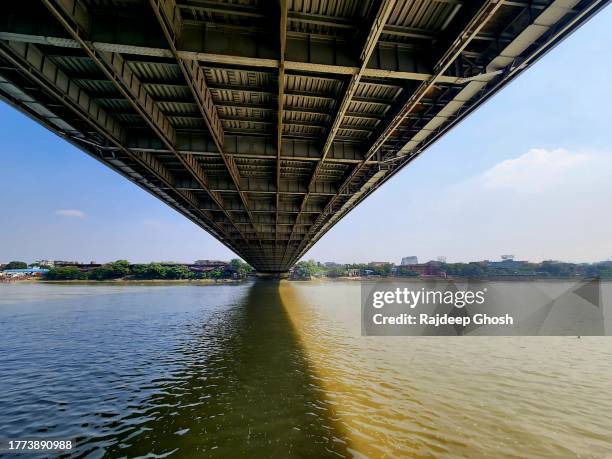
(598, 270)
(178, 272)
(239, 267)
(120, 268)
(150, 271)
(558, 269)
(114, 270)
(403, 271)
(306, 269)
(216, 273)
(336, 271)
(66, 273)
(16, 265)
(465, 269)
(383, 270)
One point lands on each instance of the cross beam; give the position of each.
(60, 87)
(281, 102)
(169, 17)
(73, 15)
(384, 10)
(259, 63)
(472, 29)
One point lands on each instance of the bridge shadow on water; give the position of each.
(246, 390)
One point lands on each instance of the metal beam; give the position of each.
(55, 82)
(484, 14)
(281, 100)
(549, 26)
(141, 101)
(306, 18)
(382, 15)
(384, 11)
(244, 147)
(255, 185)
(73, 15)
(232, 61)
(169, 17)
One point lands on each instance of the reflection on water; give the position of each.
(454, 397)
(280, 370)
(243, 389)
(212, 371)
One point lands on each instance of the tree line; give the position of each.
(121, 269)
(309, 268)
(547, 269)
(544, 269)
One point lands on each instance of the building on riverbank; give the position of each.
(431, 268)
(27, 273)
(411, 260)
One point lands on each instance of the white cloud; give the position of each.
(538, 170)
(541, 204)
(73, 213)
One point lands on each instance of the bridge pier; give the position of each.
(272, 275)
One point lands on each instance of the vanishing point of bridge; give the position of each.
(266, 121)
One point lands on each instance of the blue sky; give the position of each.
(529, 174)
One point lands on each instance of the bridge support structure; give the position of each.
(272, 275)
(265, 123)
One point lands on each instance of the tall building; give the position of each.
(412, 260)
(44, 263)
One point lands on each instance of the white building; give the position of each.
(411, 260)
(44, 263)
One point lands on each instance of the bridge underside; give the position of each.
(265, 122)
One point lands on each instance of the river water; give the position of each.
(281, 370)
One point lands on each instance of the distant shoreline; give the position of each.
(150, 282)
(130, 281)
(450, 279)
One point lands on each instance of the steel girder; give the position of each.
(263, 122)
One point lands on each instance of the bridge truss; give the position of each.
(264, 121)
